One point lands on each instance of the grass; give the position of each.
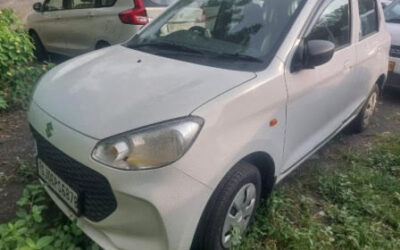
(353, 203)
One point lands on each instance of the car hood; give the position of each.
(118, 89)
(394, 29)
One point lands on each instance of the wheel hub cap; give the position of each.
(371, 105)
(239, 213)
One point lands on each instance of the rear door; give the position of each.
(52, 25)
(319, 100)
(372, 47)
(79, 30)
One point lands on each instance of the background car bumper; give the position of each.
(156, 209)
(393, 80)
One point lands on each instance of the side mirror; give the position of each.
(37, 7)
(313, 53)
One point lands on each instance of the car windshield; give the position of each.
(392, 12)
(237, 30)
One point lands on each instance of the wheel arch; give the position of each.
(31, 31)
(266, 165)
(101, 44)
(381, 81)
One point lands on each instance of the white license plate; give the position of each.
(65, 192)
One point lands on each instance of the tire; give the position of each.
(235, 200)
(363, 119)
(40, 52)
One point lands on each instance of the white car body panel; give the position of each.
(161, 94)
(117, 89)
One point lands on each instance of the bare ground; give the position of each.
(22, 7)
(16, 146)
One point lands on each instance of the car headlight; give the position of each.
(150, 147)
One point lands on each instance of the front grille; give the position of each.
(98, 199)
(395, 51)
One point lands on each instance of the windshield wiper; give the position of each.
(168, 46)
(239, 57)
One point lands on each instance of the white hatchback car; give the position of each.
(73, 27)
(169, 140)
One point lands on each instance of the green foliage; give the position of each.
(34, 228)
(352, 205)
(18, 73)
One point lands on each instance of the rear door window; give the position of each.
(157, 3)
(81, 4)
(106, 3)
(52, 5)
(368, 17)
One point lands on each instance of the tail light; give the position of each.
(137, 15)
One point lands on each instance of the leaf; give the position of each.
(44, 241)
(30, 243)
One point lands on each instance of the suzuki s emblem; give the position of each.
(49, 129)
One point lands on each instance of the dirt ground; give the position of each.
(16, 147)
(22, 7)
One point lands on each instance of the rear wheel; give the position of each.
(40, 52)
(230, 209)
(364, 117)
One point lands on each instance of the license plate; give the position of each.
(63, 191)
(391, 66)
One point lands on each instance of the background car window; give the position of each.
(368, 16)
(334, 24)
(157, 3)
(51, 5)
(81, 4)
(105, 3)
(392, 13)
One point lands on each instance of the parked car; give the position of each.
(73, 27)
(392, 15)
(169, 140)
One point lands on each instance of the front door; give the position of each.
(319, 98)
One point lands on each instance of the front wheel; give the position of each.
(363, 119)
(39, 52)
(231, 208)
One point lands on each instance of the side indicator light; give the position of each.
(273, 122)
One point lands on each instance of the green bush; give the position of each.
(36, 228)
(18, 71)
(39, 224)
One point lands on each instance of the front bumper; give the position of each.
(393, 79)
(156, 209)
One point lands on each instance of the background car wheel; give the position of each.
(40, 52)
(364, 117)
(230, 209)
